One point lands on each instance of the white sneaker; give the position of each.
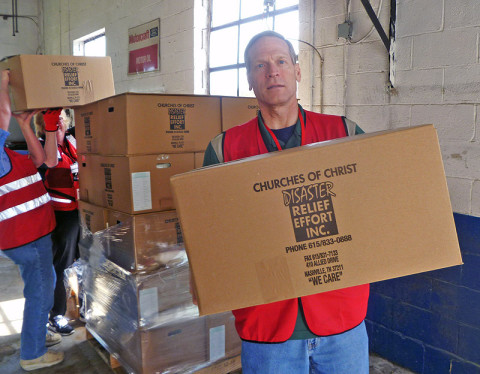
(48, 359)
(52, 338)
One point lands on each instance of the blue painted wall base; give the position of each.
(430, 323)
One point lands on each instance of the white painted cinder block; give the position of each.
(330, 8)
(418, 87)
(333, 90)
(369, 117)
(461, 159)
(367, 57)
(453, 122)
(476, 198)
(477, 126)
(367, 89)
(326, 30)
(448, 48)
(418, 17)
(379, 117)
(403, 53)
(461, 13)
(334, 110)
(333, 60)
(462, 84)
(460, 191)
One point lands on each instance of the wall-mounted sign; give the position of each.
(144, 47)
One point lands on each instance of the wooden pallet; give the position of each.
(108, 358)
(229, 366)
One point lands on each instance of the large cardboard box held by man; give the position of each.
(47, 81)
(316, 218)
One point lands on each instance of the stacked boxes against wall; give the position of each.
(137, 274)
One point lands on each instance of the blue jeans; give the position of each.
(36, 268)
(345, 353)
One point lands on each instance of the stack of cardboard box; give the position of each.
(137, 278)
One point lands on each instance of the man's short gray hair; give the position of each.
(263, 34)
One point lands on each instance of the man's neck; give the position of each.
(279, 117)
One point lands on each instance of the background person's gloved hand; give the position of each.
(51, 117)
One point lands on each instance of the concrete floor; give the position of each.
(81, 356)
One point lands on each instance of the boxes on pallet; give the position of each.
(46, 81)
(134, 123)
(131, 184)
(148, 320)
(317, 218)
(141, 300)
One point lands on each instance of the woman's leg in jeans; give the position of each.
(36, 268)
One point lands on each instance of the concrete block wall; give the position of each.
(437, 75)
(428, 322)
(65, 21)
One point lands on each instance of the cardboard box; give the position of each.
(199, 159)
(141, 242)
(317, 218)
(130, 124)
(179, 346)
(93, 217)
(131, 184)
(144, 242)
(45, 81)
(238, 110)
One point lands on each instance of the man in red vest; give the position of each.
(322, 333)
(26, 221)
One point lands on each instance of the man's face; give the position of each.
(273, 76)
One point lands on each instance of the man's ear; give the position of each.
(298, 73)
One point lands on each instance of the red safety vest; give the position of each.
(60, 182)
(26, 212)
(327, 313)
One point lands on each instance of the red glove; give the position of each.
(51, 118)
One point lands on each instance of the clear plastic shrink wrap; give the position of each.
(147, 319)
(142, 242)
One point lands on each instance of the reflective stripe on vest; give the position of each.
(19, 183)
(24, 207)
(58, 200)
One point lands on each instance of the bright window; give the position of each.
(233, 24)
(93, 44)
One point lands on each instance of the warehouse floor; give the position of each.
(82, 356)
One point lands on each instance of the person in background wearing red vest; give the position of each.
(26, 221)
(61, 183)
(323, 333)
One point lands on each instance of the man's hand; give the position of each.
(52, 119)
(5, 111)
(24, 118)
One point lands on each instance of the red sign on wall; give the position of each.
(144, 48)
